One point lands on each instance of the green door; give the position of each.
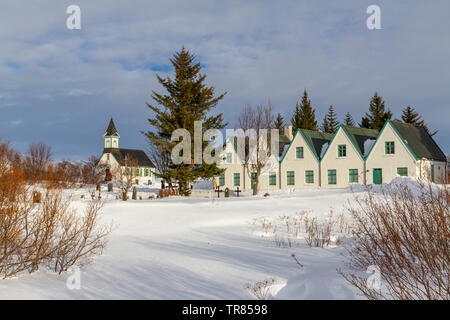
(252, 178)
(377, 176)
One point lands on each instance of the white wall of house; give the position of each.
(271, 168)
(431, 170)
(389, 163)
(299, 166)
(342, 164)
(109, 160)
(233, 165)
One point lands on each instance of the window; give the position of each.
(237, 179)
(309, 176)
(389, 147)
(332, 176)
(342, 150)
(115, 143)
(272, 179)
(353, 175)
(136, 171)
(146, 172)
(107, 156)
(290, 178)
(402, 172)
(432, 173)
(229, 157)
(222, 180)
(299, 152)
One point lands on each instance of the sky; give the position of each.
(61, 86)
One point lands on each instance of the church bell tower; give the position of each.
(111, 137)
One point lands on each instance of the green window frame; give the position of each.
(342, 150)
(290, 178)
(272, 179)
(299, 153)
(332, 176)
(402, 171)
(309, 176)
(221, 179)
(353, 175)
(237, 179)
(389, 147)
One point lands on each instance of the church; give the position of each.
(115, 158)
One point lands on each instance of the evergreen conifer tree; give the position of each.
(330, 123)
(377, 115)
(348, 120)
(188, 99)
(409, 115)
(304, 116)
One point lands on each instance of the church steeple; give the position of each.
(111, 136)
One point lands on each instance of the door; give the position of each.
(377, 176)
(253, 178)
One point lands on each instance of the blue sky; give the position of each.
(61, 86)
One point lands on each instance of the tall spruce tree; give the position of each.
(330, 123)
(188, 99)
(409, 115)
(279, 123)
(377, 115)
(304, 116)
(348, 120)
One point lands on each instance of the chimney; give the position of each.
(287, 131)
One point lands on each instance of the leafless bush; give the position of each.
(318, 233)
(407, 236)
(260, 289)
(47, 232)
(37, 159)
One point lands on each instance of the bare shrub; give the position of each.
(406, 235)
(318, 233)
(126, 175)
(260, 289)
(47, 232)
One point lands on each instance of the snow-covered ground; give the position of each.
(199, 248)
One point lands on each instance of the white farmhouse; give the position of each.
(343, 163)
(114, 158)
(406, 150)
(300, 164)
(234, 175)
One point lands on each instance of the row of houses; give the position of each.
(351, 155)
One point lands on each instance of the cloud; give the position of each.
(77, 79)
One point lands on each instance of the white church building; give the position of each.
(115, 158)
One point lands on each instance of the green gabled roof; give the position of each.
(139, 155)
(111, 131)
(419, 141)
(316, 140)
(358, 136)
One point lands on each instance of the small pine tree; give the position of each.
(348, 120)
(377, 115)
(409, 115)
(330, 123)
(304, 116)
(279, 122)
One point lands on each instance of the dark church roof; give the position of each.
(111, 131)
(120, 154)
